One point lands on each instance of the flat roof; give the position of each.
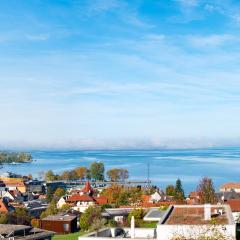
(154, 215)
(59, 218)
(8, 228)
(194, 215)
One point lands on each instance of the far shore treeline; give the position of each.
(94, 172)
(15, 157)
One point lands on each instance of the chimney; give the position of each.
(207, 212)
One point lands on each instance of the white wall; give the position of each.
(140, 233)
(236, 215)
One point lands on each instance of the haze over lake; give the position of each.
(222, 165)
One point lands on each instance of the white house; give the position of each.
(61, 202)
(81, 202)
(156, 197)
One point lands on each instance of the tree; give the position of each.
(179, 192)
(123, 199)
(30, 176)
(20, 216)
(3, 219)
(118, 174)
(138, 214)
(170, 190)
(69, 175)
(97, 224)
(90, 215)
(51, 210)
(50, 194)
(35, 222)
(81, 172)
(88, 175)
(97, 171)
(59, 193)
(65, 207)
(206, 191)
(49, 176)
(113, 192)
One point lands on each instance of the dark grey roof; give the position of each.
(228, 195)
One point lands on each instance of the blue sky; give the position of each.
(118, 73)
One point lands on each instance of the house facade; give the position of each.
(62, 224)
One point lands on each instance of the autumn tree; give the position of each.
(49, 176)
(97, 171)
(35, 222)
(170, 190)
(81, 172)
(206, 191)
(179, 192)
(118, 174)
(113, 192)
(69, 175)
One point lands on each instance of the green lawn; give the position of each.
(148, 225)
(71, 236)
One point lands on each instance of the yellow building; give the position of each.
(14, 183)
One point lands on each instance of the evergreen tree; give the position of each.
(179, 192)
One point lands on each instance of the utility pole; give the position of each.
(148, 174)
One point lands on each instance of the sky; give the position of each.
(119, 74)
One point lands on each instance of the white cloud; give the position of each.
(211, 40)
(38, 37)
(189, 3)
(103, 5)
(156, 37)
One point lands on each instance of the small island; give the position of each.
(15, 157)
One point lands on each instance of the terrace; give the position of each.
(195, 215)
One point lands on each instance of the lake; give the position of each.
(222, 165)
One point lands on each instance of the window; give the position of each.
(66, 227)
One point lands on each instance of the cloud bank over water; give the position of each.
(118, 144)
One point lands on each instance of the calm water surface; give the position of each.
(222, 165)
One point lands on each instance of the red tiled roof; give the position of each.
(101, 200)
(149, 205)
(234, 204)
(79, 198)
(87, 188)
(231, 185)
